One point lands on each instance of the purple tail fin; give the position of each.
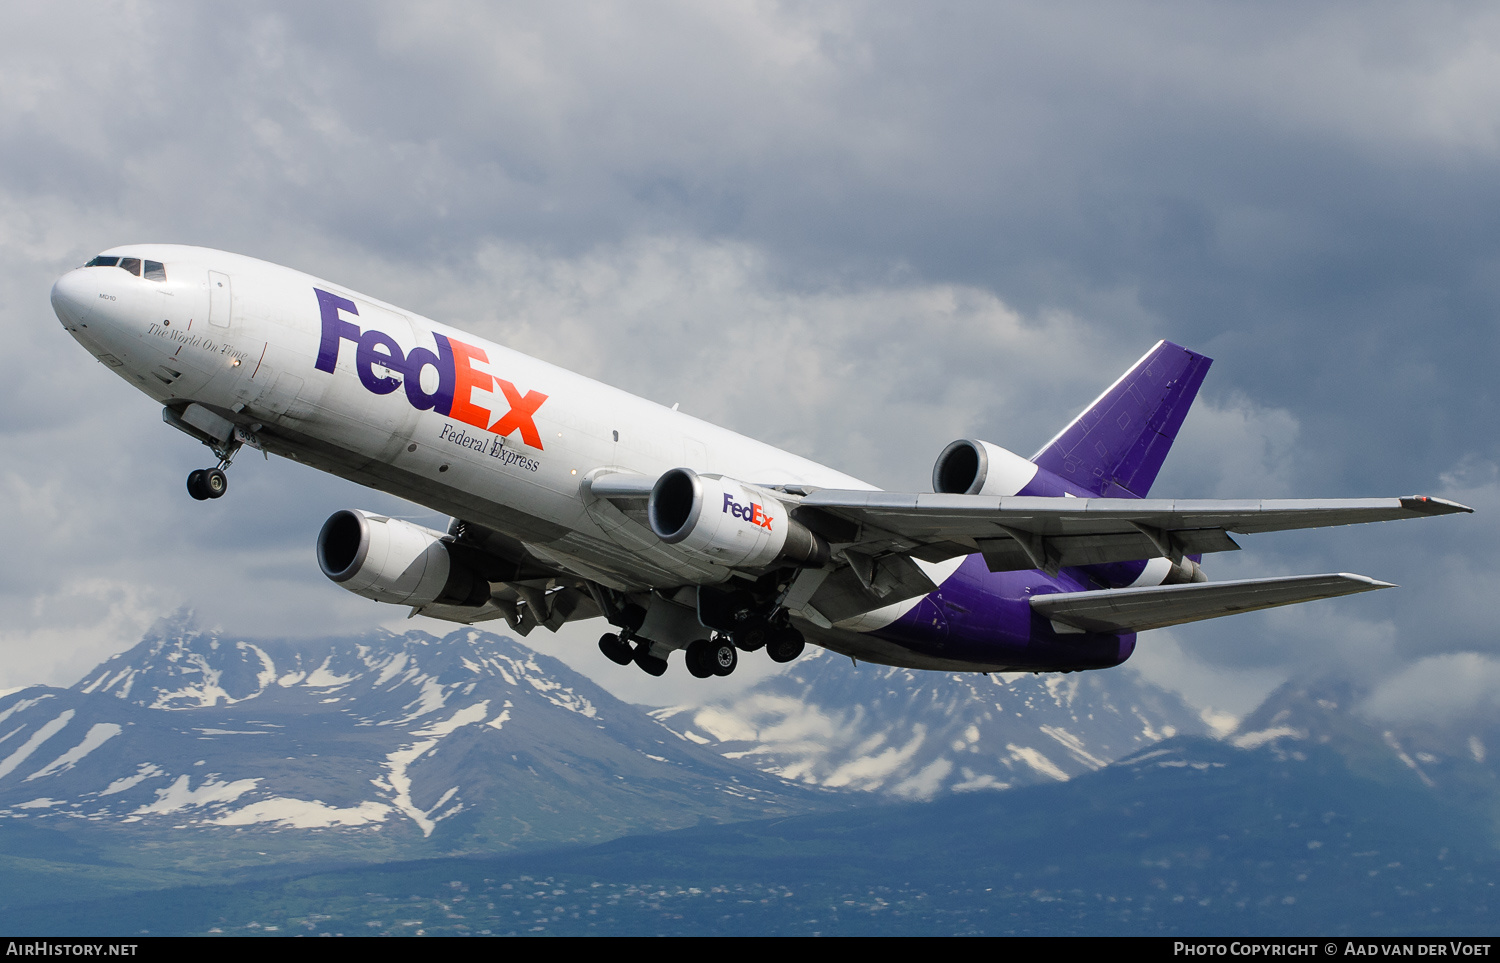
(1116, 447)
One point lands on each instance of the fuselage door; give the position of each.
(220, 299)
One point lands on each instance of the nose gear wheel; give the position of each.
(206, 483)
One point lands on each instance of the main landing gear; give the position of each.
(206, 483)
(705, 657)
(734, 620)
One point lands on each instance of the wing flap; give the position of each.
(1139, 609)
(1014, 553)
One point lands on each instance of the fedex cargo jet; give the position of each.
(571, 499)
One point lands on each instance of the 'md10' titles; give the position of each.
(454, 363)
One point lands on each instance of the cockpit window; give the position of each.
(155, 270)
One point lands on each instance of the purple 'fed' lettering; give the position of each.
(752, 512)
(456, 364)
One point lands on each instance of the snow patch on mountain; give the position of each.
(1037, 761)
(463, 717)
(47, 731)
(180, 795)
(1254, 740)
(21, 705)
(146, 770)
(305, 814)
(98, 735)
(398, 781)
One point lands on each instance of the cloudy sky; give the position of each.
(856, 231)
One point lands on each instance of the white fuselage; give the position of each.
(255, 342)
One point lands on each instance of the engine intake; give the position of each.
(972, 467)
(730, 522)
(390, 560)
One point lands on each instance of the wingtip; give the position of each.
(1367, 584)
(1428, 505)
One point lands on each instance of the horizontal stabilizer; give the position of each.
(1139, 609)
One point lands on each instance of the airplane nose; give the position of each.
(74, 296)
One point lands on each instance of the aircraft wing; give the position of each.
(1022, 532)
(1139, 609)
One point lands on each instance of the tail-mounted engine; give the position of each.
(389, 560)
(730, 522)
(971, 467)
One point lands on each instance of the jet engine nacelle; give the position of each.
(730, 522)
(389, 560)
(972, 467)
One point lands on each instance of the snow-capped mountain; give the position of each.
(1454, 755)
(915, 734)
(472, 736)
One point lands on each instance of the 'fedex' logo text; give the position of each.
(752, 513)
(454, 362)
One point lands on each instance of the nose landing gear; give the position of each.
(205, 483)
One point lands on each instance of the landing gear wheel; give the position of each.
(615, 650)
(215, 482)
(785, 645)
(750, 637)
(699, 657)
(724, 656)
(649, 663)
(195, 485)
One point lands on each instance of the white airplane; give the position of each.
(571, 499)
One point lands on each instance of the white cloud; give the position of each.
(1441, 689)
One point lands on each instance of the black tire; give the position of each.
(614, 650)
(649, 663)
(724, 656)
(785, 646)
(750, 637)
(699, 657)
(215, 482)
(195, 485)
